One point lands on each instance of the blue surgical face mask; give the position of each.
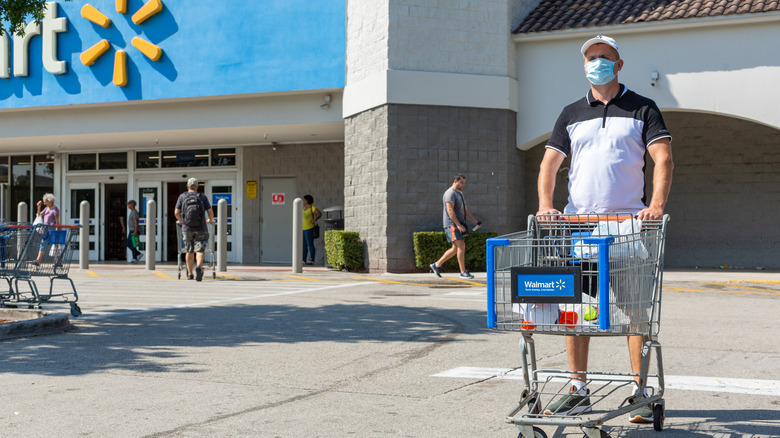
(600, 71)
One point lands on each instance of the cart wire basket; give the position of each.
(580, 275)
(209, 258)
(38, 251)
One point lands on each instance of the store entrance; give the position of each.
(115, 207)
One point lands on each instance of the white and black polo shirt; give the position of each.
(608, 145)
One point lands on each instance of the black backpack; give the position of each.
(192, 214)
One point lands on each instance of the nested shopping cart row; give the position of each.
(28, 252)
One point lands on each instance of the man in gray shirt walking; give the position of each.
(454, 220)
(132, 230)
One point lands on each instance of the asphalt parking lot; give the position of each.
(260, 351)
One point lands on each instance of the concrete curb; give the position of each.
(32, 323)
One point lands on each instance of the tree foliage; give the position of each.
(14, 13)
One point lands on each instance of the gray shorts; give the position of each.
(195, 241)
(453, 234)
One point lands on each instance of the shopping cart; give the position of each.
(581, 275)
(13, 240)
(39, 251)
(209, 260)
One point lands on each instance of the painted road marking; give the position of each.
(217, 301)
(406, 283)
(680, 289)
(161, 275)
(772, 291)
(92, 274)
(684, 383)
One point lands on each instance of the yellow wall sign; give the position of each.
(89, 56)
(251, 189)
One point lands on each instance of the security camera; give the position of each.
(326, 105)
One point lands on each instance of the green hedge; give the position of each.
(430, 245)
(344, 249)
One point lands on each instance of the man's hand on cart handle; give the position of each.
(650, 213)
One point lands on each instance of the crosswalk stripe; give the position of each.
(685, 383)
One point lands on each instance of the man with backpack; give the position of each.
(193, 211)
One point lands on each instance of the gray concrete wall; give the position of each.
(725, 197)
(318, 170)
(401, 158)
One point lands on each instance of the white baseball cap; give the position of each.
(600, 39)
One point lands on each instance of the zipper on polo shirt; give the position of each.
(604, 120)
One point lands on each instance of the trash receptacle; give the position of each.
(334, 223)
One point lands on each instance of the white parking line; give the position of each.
(684, 383)
(216, 301)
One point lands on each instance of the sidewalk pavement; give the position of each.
(251, 272)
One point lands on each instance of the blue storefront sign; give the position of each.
(102, 51)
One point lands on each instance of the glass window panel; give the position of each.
(3, 169)
(222, 192)
(82, 162)
(44, 177)
(78, 195)
(147, 160)
(197, 158)
(116, 160)
(223, 157)
(21, 167)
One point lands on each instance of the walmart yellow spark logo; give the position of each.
(151, 51)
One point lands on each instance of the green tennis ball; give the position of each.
(591, 313)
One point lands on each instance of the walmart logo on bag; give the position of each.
(151, 51)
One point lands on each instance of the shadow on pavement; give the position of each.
(708, 423)
(159, 341)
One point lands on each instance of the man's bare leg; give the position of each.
(460, 248)
(577, 349)
(190, 263)
(635, 344)
(447, 255)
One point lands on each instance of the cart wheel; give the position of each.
(538, 433)
(179, 275)
(75, 310)
(533, 406)
(601, 433)
(658, 417)
(214, 275)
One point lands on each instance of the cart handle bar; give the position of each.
(52, 226)
(587, 217)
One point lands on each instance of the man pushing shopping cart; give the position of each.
(607, 134)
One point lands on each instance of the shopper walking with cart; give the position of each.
(607, 134)
(49, 215)
(132, 231)
(454, 219)
(194, 212)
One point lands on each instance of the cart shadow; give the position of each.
(159, 341)
(702, 423)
